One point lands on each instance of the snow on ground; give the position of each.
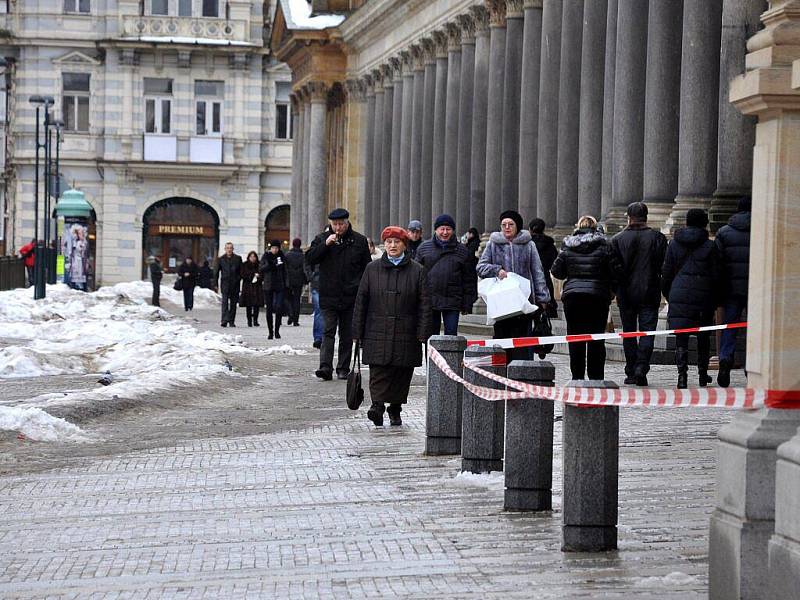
(285, 349)
(143, 290)
(144, 348)
(493, 480)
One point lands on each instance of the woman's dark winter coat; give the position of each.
(295, 261)
(733, 243)
(273, 270)
(451, 276)
(473, 245)
(191, 269)
(340, 267)
(546, 247)
(392, 313)
(640, 251)
(588, 264)
(252, 293)
(690, 279)
(204, 277)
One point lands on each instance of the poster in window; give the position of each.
(75, 250)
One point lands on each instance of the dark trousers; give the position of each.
(274, 301)
(156, 300)
(521, 326)
(294, 303)
(586, 314)
(450, 319)
(341, 319)
(188, 297)
(29, 270)
(682, 351)
(229, 302)
(252, 314)
(638, 351)
(734, 307)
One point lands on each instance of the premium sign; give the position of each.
(181, 230)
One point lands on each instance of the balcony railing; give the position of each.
(186, 28)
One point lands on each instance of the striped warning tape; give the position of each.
(589, 337)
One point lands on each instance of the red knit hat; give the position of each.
(394, 232)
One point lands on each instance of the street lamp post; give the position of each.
(40, 255)
(53, 238)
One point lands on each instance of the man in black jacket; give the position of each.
(295, 262)
(641, 251)
(733, 243)
(156, 273)
(546, 247)
(228, 276)
(342, 255)
(414, 230)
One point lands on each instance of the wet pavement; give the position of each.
(264, 485)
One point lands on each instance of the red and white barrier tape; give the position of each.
(589, 337)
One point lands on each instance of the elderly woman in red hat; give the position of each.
(391, 320)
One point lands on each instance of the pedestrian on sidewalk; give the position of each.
(28, 255)
(227, 279)
(276, 285)
(156, 274)
(640, 251)
(733, 244)
(590, 268)
(318, 325)
(204, 276)
(252, 288)
(391, 319)
(473, 242)
(450, 273)
(342, 255)
(414, 231)
(690, 280)
(374, 253)
(187, 273)
(546, 247)
(295, 262)
(511, 250)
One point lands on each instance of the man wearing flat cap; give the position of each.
(342, 255)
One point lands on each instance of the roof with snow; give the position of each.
(298, 15)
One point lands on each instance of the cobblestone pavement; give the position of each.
(309, 500)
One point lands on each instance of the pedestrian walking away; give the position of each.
(733, 245)
(374, 253)
(276, 286)
(546, 247)
(590, 269)
(318, 326)
(690, 281)
(640, 251)
(204, 276)
(252, 297)
(295, 262)
(28, 255)
(391, 321)
(450, 274)
(473, 242)
(342, 255)
(187, 273)
(414, 231)
(511, 250)
(156, 274)
(227, 279)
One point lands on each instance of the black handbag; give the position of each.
(542, 328)
(178, 285)
(355, 393)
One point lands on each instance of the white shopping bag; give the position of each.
(506, 298)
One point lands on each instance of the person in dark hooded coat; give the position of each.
(591, 270)
(276, 285)
(546, 247)
(690, 281)
(252, 295)
(733, 244)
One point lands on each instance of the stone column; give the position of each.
(609, 77)
(590, 139)
(439, 125)
(417, 132)
(306, 228)
(494, 115)
(697, 157)
(465, 102)
(529, 102)
(386, 152)
(737, 132)
(369, 154)
(426, 181)
(297, 154)
(480, 100)
(355, 125)
(452, 118)
(512, 90)
(377, 154)
(547, 153)
(629, 87)
(754, 495)
(317, 158)
(404, 197)
(569, 108)
(662, 104)
(397, 131)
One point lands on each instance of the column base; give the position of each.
(442, 446)
(577, 538)
(723, 206)
(559, 232)
(479, 465)
(615, 219)
(784, 568)
(784, 547)
(677, 216)
(658, 212)
(527, 500)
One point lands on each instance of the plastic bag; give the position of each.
(506, 298)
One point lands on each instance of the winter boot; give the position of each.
(278, 327)
(375, 413)
(724, 375)
(394, 415)
(269, 325)
(682, 361)
(249, 319)
(702, 375)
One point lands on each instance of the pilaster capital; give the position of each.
(417, 56)
(294, 100)
(480, 16)
(453, 31)
(407, 62)
(356, 90)
(396, 65)
(369, 84)
(428, 50)
(467, 25)
(440, 42)
(497, 12)
(533, 4)
(317, 92)
(377, 80)
(387, 74)
(301, 95)
(515, 9)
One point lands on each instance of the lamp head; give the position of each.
(36, 99)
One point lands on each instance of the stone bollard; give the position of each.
(443, 413)
(529, 441)
(482, 425)
(590, 443)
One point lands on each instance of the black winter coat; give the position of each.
(546, 247)
(340, 267)
(588, 264)
(451, 276)
(228, 271)
(690, 278)
(392, 313)
(156, 272)
(273, 270)
(733, 243)
(252, 293)
(640, 250)
(295, 261)
(190, 270)
(413, 247)
(204, 277)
